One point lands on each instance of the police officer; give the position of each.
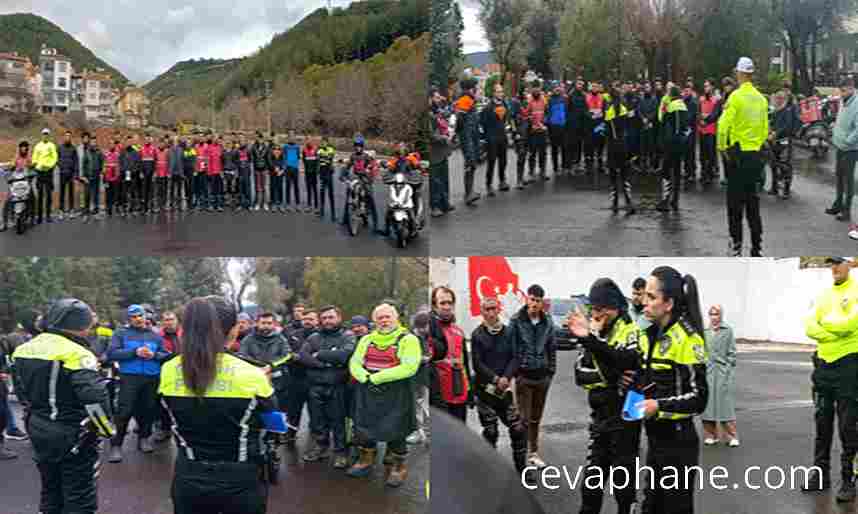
(495, 366)
(673, 378)
(66, 407)
(835, 378)
(610, 342)
(326, 355)
(215, 400)
(139, 352)
(742, 130)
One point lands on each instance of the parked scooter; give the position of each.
(18, 209)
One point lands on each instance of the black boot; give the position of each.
(470, 196)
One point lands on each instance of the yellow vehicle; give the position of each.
(185, 128)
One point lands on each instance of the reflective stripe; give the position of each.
(174, 427)
(262, 441)
(99, 418)
(52, 389)
(245, 428)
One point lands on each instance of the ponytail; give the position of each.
(683, 291)
(692, 304)
(202, 340)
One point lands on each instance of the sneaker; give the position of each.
(437, 213)
(341, 462)
(503, 187)
(145, 445)
(709, 441)
(833, 211)
(16, 434)
(315, 454)
(416, 437)
(853, 232)
(7, 454)
(265, 208)
(734, 443)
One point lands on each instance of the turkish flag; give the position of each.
(492, 277)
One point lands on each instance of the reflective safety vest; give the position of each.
(672, 365)
(589, 373)
(377, 359)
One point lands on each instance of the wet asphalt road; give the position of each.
(212, 234)
(571, 216)
(141, 484)
(775, 417)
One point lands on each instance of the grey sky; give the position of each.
(473, 38)
(144, 38)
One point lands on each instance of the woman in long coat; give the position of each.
(721, 377)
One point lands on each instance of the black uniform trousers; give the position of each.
(834, 395)
(744, 176)
(69, 486)
(614, 448)
(218, 487)
(497, 154)
(671, 444)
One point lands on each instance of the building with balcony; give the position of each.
(94, 95)
(56, 71)
(17, 80)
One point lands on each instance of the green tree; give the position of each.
(137, 279)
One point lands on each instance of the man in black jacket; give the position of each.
(533, 333)
(495, 365)
(90, 174)
(130, 177)
(69, 166)
(785, 123)
(326, 355)
(577, 121)
(260, 156)
(268, 345)
(493, 119)
(298, 387)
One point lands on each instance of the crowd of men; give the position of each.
(209, 173)
(684, 135)
(313, 361)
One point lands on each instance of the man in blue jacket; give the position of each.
(292, 156)
(557, 129)
(139, 352)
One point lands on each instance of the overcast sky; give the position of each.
(143, 39)
(473, 39)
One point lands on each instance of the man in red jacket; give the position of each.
(200, 196)
(171, 333)
(148, 159)
(215, 176)
(453, 371)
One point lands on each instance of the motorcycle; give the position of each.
(816, 135)
(357, 193)
(19, 206)
(405, 212)
(780, 157)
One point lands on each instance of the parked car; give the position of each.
(559, 309)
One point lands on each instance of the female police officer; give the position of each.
(56, 378)
(674, 364)
(214, 400)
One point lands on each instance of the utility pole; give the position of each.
(213, 112)
(268, 102)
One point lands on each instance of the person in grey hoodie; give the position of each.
(177, 173)
(845, 140)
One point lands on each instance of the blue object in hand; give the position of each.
(631, 410)
(275, 421)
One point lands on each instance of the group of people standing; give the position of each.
(626, 127)
(208, 366)
(654, 346)
(176, 174)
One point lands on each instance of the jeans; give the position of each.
(276, 189)
(327, 189)
(244, 189)
(93, 190)
(11, 425)
(845, 169)
(292, 186)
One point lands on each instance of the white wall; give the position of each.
(763, 299)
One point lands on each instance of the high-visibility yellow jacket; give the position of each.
(834, 322)
(745, 120)
(45, 156)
